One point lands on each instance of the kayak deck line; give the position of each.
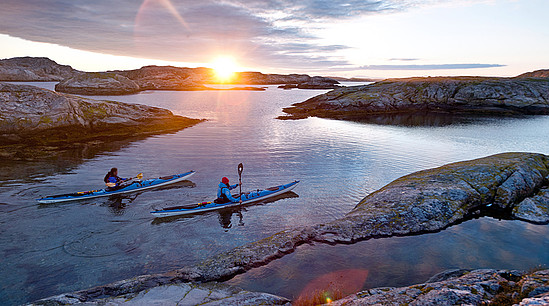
(133, 187)
(252, 197)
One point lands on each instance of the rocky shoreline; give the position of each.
(123, 82)
(512, 184)
(33, 117)
(437, 95)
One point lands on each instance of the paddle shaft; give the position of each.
(240, 168)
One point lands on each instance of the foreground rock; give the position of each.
(34, 116)
(425, 201)
(479, 287)
(450, 95)
(179, 294)
(34, 69)
(455, 287)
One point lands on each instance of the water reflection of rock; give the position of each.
(421, 119)
(55, 160)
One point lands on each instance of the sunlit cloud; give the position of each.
(284, 35)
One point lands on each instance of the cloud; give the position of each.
(430, 67)
(404, 59)
(261, 31)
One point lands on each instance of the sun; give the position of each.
(225, 68)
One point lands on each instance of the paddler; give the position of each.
(112, 180)
(224, 192)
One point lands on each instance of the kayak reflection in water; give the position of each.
(113, 181)
(224, 194)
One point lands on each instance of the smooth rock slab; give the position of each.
(180, 294)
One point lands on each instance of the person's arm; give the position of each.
(233, 186)
(230, 196)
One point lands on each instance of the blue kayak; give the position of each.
(247, 198)
(133, 187)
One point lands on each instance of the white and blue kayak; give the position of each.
(134, 186)
(247, 198)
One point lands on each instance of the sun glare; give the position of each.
(225, 68)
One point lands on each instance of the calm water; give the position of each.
(50, 249)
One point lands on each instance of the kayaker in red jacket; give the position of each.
(223, 192)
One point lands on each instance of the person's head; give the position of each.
(114, 171)
(225, 180)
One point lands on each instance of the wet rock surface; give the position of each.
(34, 116)
(34, 69)
(424, 201)
(452, 95)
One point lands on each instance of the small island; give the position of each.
(527, 94)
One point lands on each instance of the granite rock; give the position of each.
(97, 83)
(34, 69)
(449, 95)
(34, 116)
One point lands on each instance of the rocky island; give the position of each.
(32, 116)
(527, 94)
(509, 184)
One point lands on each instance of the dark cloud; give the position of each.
(430, 67)
(185, 30)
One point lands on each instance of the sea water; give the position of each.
(56, 248)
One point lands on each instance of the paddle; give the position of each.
(240, 168)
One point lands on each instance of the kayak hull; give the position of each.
(253, 197)
(134, 187)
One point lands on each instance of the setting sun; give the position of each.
(224, 67)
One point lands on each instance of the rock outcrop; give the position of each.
(98, 83)
(456, 287)
(34, 69)
(168, 77)
(425, 201)
(176, 78)
(478, 287)
(34, 116)
(449, 95)
(542, 73)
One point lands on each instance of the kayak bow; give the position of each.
(247, 198)
(133, 187)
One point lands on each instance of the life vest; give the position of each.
(222, 198)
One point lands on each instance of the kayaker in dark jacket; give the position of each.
(223, 192)
(112, 180)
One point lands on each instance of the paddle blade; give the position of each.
(240, 168)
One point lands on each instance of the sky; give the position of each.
(352, 38)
